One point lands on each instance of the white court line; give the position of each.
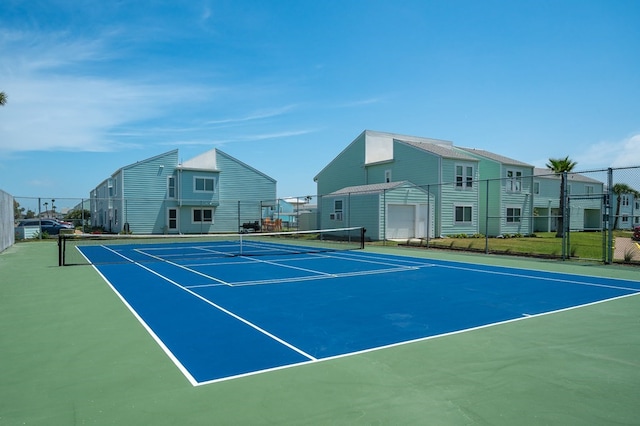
(412, 341)
(510, 274)
(375, 258)
(375, 261)
(183, 267)
(220, 308)
(308, 278)
(270, 262)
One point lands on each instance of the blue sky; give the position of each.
(284, 86)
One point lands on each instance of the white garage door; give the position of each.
(401, 220)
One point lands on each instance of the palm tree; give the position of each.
(561, 166)
(3, 98)
(619, 189)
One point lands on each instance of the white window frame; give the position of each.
(172, 187)
(464, 177)
(338, 208)
(387, 176)
(514, 180)
(464, 207)
(202, 211)
(513, 217)
(589, 189)
(205, 179)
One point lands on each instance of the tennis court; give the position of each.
(224, 309)
(73, 353)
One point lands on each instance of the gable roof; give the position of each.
(146, 160)
(205, 161)
(435, 146)
(495, 157)
(444, 151)
(373, 188)
(209, 161)
(576, 177)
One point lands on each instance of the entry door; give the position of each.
(172, 220)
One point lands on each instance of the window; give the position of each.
(337, 210)
(513, 214)
(173, 219)
(514, 181)
(171, 187)
(463, 214)
(202, 184)
(625, 200)
(536, 188)
(387, 176)
(203, 215)
(589, 189)
(464, 177)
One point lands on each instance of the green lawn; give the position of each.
(583, 245)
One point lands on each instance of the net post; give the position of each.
(60, 254)
(363, 230)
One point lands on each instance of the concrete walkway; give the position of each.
(626, 245)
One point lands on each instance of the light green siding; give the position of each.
(345, 170)
(242, 189)
(138, 195)
(453, 197)
(585, 202)
(366, 206)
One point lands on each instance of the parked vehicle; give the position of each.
(50, 226)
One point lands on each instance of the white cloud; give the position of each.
(53, 104)
(66, 113)
(259, 115)
(605, 154)
(241, 138)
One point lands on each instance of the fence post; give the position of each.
(486, 221)
(563, 215)
(384, 217)
(429, 218)
(609, 216)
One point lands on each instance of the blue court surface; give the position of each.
(222, 317)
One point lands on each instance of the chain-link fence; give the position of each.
(161, 216)
(577, 215)
(6, 221)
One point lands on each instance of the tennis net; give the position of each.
(78, 249)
